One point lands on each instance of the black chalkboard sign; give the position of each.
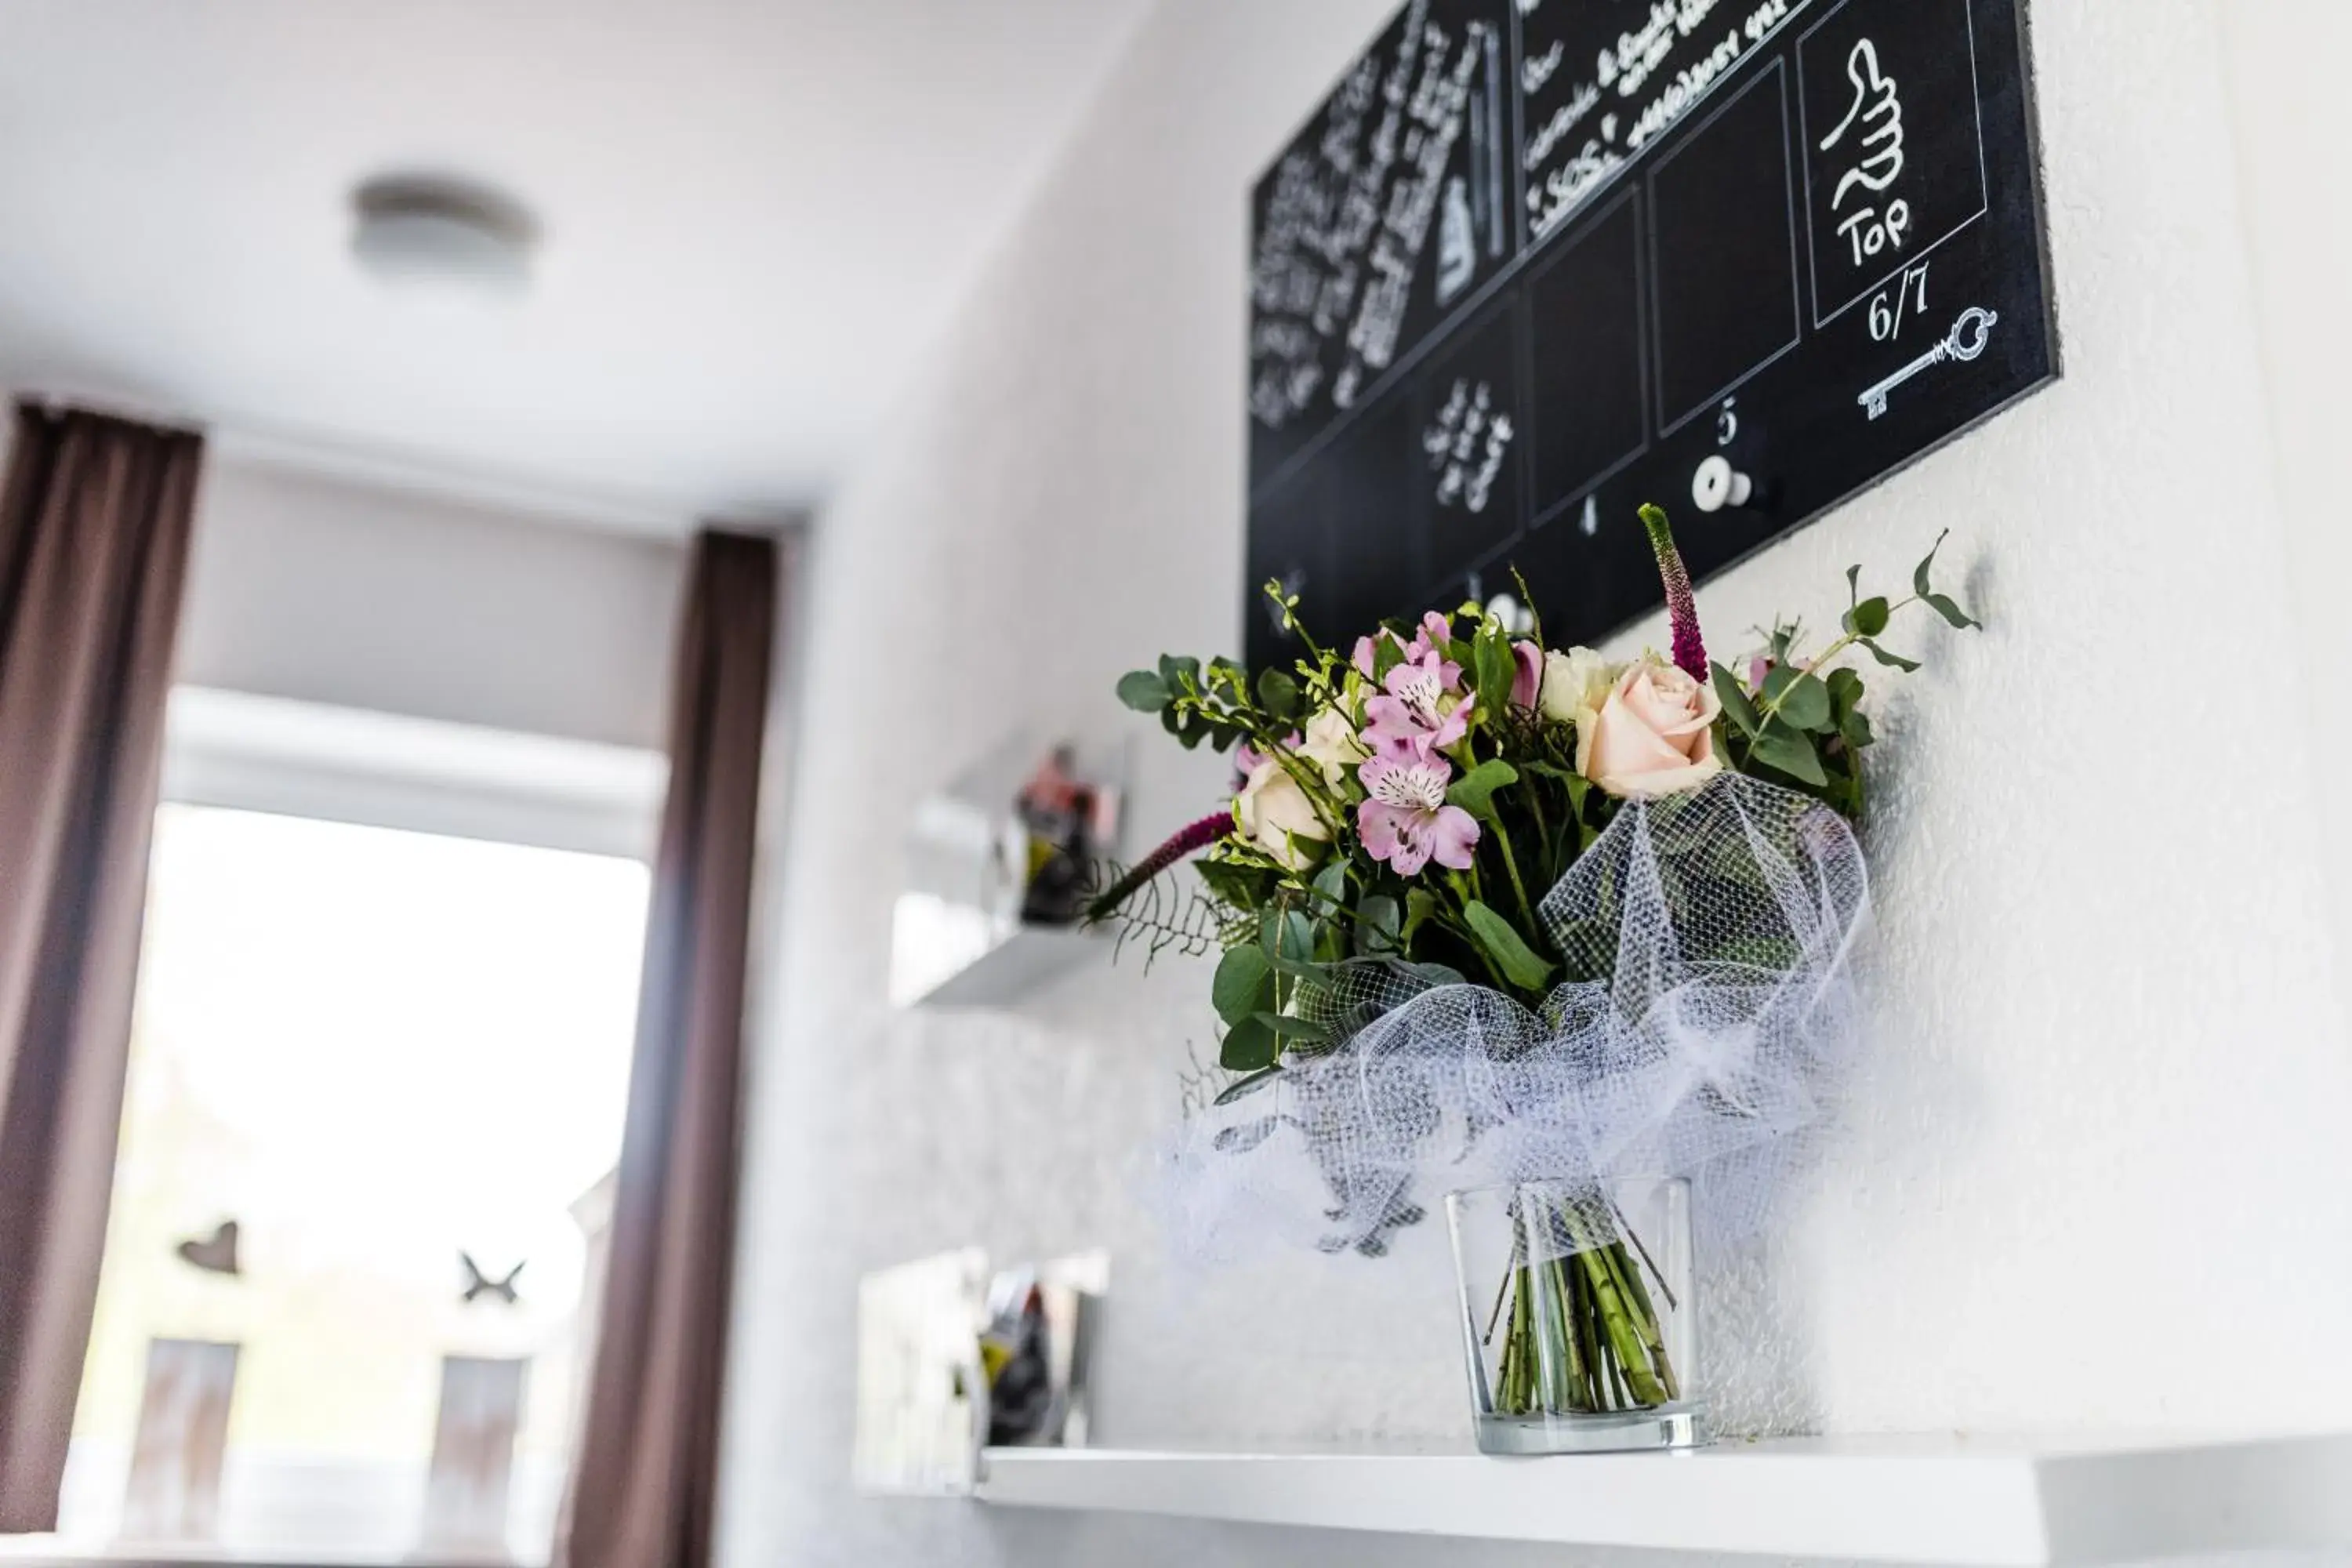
(1535, 262)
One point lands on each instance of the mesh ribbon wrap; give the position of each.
(1705, 1012)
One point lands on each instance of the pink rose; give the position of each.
(1655, 733)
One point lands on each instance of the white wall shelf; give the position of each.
(1888, 1499)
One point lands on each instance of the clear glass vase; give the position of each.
(1577, 1316)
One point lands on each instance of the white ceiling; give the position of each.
(756, 213)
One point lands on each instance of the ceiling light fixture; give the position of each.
(411, 229)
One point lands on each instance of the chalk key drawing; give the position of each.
(1966, 341)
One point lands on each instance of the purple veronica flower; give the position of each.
(1682, 606)
(1409, 720)
(1406, 822)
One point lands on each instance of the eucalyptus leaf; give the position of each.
(1380, 924)
(1143, 691)
(1244, 1088)
(1332, 884)
(1182, 674)
(1249, 1047)
(1305, 971)
(1287, 934)
(1305, 1030)
(1783, 748)
(1852, 587)
(1799, 697)
(1509, 951)
(1919, 584)
(1244, 984)
(1958, 618)
(1278, 693)
(1736, 704)
(1892, 660)
(1474, 791)
(1868, 618)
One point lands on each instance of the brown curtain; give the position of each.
(94, 525)
(642, 1494)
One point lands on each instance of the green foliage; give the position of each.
(1804, 728)
(1507, 949)
(1143, 691)
(1786, 749)
(1249, 1047)
(1496, 670)
(1298, 925)
(1243, 985)
(1243, 1087)
(1797, 698)
(1278, 693)
(1379, 925)
(1737, 705)
(1474, 791)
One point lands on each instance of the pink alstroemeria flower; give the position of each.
(1406, 822)
(1527, 677)
(1410, 720)
(1434, 630)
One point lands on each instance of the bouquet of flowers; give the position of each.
(1494, 913)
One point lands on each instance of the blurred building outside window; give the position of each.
(380, 1073)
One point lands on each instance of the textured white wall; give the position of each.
(328, 591)
(2292, 114)
(2091, 1173)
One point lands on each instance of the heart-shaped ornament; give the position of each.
(215, 1254)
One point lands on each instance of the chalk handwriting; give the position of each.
(1564, 189)
(1435, 113)
(1555, 129)
(1541, 68)
(1350, 216)
(1467, 443)
(1877, 108)
(1904, 298)
(1660, 69)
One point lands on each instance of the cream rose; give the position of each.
(1275, 813)
(1575, 685)
(1654, 734)
(1331, 744)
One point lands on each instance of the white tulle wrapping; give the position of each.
(1701, 1033)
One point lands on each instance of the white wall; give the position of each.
(2092, 1174)
(326, 590)
(2293, 121)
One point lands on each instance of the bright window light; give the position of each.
(374, 1051)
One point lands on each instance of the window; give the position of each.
(397, 1063)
